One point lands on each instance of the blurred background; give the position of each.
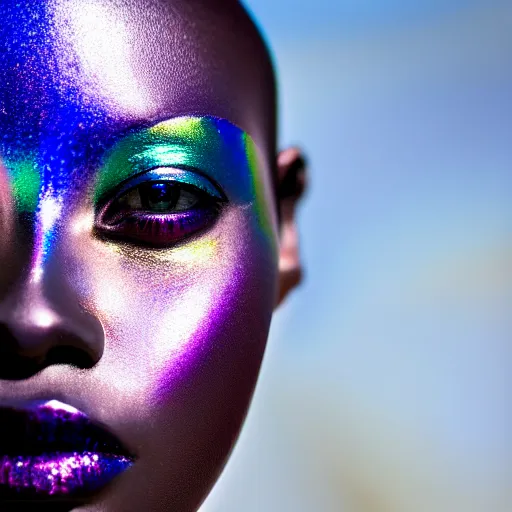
(388, 377)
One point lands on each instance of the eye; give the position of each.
(159, 212)
(159, 197)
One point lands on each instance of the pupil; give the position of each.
(160, 196)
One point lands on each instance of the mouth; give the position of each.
(52, 451)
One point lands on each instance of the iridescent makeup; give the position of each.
(161, 188)
(216, 170)
(138, 255)
(205, 160)
(53, 450)
(25, 182)
(170, 181)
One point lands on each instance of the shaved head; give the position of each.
(147, 60)
(141, 252)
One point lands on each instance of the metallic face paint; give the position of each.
(26, 184)
(155, 208)
(181, 150)
(53, 450)
(163, 346)
(59, 474)
(210, 146)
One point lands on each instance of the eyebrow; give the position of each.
(213, 146)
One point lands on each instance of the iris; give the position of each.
(159, 197)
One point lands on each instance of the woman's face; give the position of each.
(139, 247)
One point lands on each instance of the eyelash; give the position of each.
(158, 229)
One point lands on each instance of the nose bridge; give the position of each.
(47, 136)
(61, 297)
(40, 310)
(42, 320)
(28, 315)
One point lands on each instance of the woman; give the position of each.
(148, 234)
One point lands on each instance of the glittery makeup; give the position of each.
(138, 252)
(25, 183)
(160, 207)
(52, 449)
(186, 150)
(60, 474)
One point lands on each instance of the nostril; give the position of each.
(43, 324)
(25, 352)
(69, 354)
(16, 366)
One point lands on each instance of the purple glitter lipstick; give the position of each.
(51, 450)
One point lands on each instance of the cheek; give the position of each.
(166, 312)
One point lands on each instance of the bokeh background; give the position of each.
(388, 378)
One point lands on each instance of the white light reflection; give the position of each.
(60, 406)
(100, 41)
(83, 223)
(43, 318)
(49, 210)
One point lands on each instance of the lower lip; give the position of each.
(59, 474)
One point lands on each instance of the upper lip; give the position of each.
(38, 428)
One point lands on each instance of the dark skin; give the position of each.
(184, 58)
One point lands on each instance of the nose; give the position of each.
(37, 331)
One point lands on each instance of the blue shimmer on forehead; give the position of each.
(49, 136)
(55, 131)
(41, 114)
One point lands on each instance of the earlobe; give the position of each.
(290, 188)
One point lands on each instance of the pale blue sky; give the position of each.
(290, 19)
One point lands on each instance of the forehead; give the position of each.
(75, 66)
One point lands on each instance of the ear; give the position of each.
(291, 184)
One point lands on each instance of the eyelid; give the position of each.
(172, 174)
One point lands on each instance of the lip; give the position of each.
(51, 451)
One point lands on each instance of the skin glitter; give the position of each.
(139, 245)
(53, 449)
(186, 150)
(60, 474)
